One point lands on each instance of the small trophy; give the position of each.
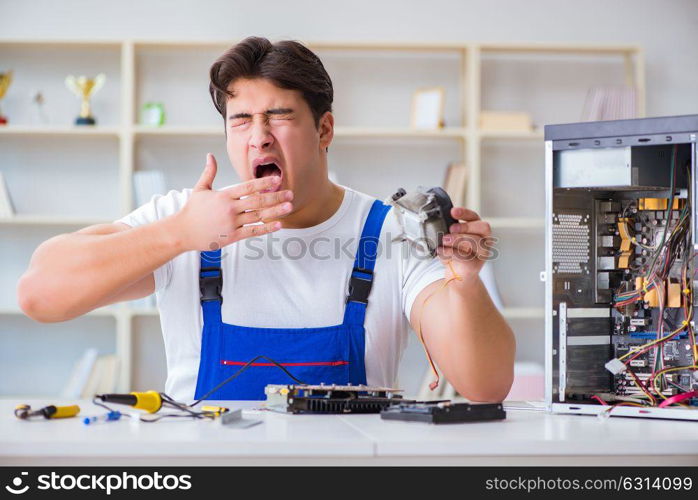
(5, 80)
(84, 88)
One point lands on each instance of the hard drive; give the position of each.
(444, 412)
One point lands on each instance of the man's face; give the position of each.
(271, 131)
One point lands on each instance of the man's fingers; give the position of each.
(263, 200)
(463, 243)
(479, 227)
(254, 186)
(449, 253)
(264, 215)
(256, 230)
(465, 214)
(445, 252)
(206, 180)
(466, 246)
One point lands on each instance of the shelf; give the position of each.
(406, 46)
(60, 130)
(410, 133)
(536, 135)
(384, 132)
(523, 312)
(313, 45)
(392, 46)
(101, 312)
(515, 222)
(187, 44)
(508, 312)
(551, 48)
(109, 311)
(144, 312)
(50, 220)
(177, 131)
(113, 44)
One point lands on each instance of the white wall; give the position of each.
(667, 29)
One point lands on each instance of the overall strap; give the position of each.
(361, 279)
(211, 283)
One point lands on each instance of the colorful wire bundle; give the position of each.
(674, 244)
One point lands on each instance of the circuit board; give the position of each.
(643, 267)
(331, 398)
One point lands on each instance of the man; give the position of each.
(274, 266)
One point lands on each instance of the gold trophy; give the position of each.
(84, 88)
(5, 80)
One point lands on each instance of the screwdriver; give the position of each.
(150, 401)
(24, 412)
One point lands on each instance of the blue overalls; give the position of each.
(330, 354)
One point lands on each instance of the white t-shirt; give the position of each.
(292, 278)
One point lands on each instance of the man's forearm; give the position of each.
(73, 273)
(472, 343)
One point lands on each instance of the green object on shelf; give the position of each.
(153, 114)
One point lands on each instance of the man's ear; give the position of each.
(326, 129)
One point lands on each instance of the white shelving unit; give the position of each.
(146, 67)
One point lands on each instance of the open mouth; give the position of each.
(267, 169)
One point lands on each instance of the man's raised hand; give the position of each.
(213, 219)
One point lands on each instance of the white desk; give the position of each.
(524, 438)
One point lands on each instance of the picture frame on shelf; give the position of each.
(428, 108)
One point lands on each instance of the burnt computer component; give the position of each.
(444, 412)
(331, 398)
(424, 216)
(620, 260)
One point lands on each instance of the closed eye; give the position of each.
(277, 115)
(288, 116)
(239, 122)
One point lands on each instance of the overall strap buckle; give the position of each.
(211, 287)
(360, 287)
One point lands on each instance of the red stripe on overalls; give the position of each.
(309, 363)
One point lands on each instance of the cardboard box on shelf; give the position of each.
(505, 121)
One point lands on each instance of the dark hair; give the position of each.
(288, 64)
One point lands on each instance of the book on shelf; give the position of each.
(148, 183)
(103, 377)
(610, 102)
(80, 375)
(455, 183)
(6, 207)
